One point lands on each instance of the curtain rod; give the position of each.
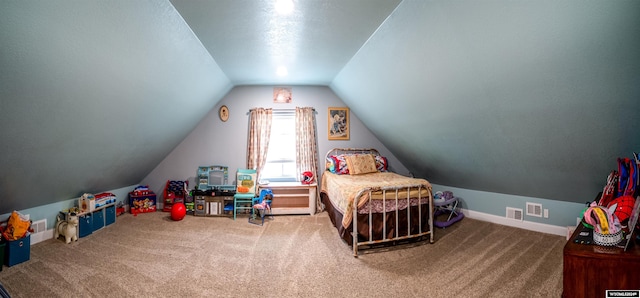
(279, 110)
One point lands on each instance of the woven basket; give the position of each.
(607, 239)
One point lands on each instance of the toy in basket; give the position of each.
(607, 230)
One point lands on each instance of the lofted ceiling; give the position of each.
(532, 98)
(250, 40)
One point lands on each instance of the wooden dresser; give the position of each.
(589, 270)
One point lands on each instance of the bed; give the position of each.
(370, 205)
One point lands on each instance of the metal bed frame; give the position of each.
(394, 190)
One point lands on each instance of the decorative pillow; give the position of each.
(381, 163)
(331, 164)
(361, 164)
(337, 164)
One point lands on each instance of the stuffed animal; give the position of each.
(67, 228)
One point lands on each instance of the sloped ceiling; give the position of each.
(314, 41)
(94, 95)
(534, 98)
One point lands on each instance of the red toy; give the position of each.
(178, 211)
(174, 192)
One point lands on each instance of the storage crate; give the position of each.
(98, 220)
(85, 225)
(2, 248)
(18, 251)
(109, 215)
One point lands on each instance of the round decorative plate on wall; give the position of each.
(224, 113)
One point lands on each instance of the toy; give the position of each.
(87, 202)
(308, 177)
(446, 203)
(67, 228)
(178, 211)
(622, 207)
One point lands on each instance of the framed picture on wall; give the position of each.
(338, 123)
(282, 95)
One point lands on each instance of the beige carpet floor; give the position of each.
(150, 255)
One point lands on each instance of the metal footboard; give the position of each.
(392, 193)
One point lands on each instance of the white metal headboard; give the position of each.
(338, 151)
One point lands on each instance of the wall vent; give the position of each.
(40, 232)
(39, 226)
(534, 209)
(514, 213)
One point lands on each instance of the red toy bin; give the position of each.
(142, 200)
(175, 191)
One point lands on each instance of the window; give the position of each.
(281, 158)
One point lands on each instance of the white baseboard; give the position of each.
(39, 237)
(527, 225)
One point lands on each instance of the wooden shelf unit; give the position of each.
(292, 197)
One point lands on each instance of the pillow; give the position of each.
(337, 164)
(381, 163)
(331, 164)
(361, 164)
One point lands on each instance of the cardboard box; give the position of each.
(18, 251)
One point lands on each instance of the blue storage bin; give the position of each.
(85, 225)
(18, 251)
(109, 215)
(2, 248)
(98, 220)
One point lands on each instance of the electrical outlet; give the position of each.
(546, 213)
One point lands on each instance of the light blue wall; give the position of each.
(214, 142)
(530, 98)
(561, 213)
(94, 94)
(217, 142)
(50, 211)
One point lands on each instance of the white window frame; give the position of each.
(282, 149)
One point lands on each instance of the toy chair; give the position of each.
(261, 206)
(446, 203)
(245, 190)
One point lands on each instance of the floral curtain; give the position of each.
(259, 134)
(306, 145)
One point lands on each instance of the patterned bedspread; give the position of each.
(342, 189)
